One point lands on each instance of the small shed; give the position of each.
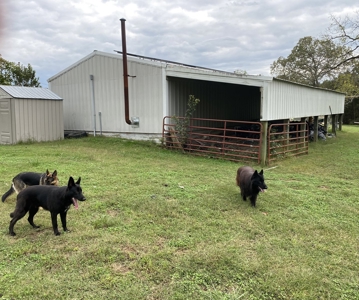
(30, 114)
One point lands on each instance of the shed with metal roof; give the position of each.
(93, 93)
(30, 114)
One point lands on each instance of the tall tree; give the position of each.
(310, 62)
(345, 31)
(17, 74)
(348, 83)
(25, 76)
(5, 71)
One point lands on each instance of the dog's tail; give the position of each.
(8, 193)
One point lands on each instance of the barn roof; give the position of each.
(170, 66)
(178, 69)
(23, 92)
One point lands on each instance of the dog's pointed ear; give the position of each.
(54, 173)
(78, 180)
(261, 172)
(71, 182)
(254, 174)
(47, 172)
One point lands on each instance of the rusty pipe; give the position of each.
(125, 72)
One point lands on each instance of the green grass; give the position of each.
(160, 224)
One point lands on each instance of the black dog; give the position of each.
(22, 180)
(251, 183)
(55, 199)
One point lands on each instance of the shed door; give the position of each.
(5, 122)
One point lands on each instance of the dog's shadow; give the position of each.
(232, 199)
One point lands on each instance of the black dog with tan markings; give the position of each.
(55, 199)
(25, 179)
(251, 183)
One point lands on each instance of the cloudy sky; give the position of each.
(227, 35)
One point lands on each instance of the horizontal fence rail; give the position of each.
(227, 139)
(286, 140)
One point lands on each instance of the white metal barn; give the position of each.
(29, 113)
(93, 93)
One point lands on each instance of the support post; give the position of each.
(326, 123)
(334, 124)
(264, 139)
(315, 124)
(341, 117)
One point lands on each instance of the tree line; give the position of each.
(12, 73)
(330, 62)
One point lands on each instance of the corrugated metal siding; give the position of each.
(284, 100)
(37, 120)
(145, 95)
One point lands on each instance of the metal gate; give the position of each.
(227, 139)
(286, 140)
(234, 140)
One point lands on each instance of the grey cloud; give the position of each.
(227, 35)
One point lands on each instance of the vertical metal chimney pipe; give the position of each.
(125, 72)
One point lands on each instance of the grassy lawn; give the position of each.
(160, 224)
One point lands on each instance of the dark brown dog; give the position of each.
(251, 183)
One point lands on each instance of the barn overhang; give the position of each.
(217, 76)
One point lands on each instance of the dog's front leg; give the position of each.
(54, 223)
(253, 200)
(63, 220)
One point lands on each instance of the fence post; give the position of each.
(285, 134)
(303, 131)
(263, 143)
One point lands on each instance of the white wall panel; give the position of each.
(285, 100)
(39, 120)
(145, 95)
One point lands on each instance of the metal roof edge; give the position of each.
(93, 54)
(161, 63)
(25, 92)
(72, 66)
(173, 64)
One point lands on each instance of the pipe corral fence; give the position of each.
(286, 140)
(234, 140)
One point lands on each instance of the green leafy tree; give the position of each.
(17, 74)
(348, 83)
(25, 76)
(310, 62)
(5, 71)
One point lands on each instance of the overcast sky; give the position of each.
(227, 35)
